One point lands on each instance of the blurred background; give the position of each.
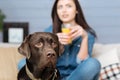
(19, 18)
(102, 15)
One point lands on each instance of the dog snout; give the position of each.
(50, 54)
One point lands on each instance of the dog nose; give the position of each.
(50, 54)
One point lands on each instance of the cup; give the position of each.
(66, 29)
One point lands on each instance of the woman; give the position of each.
(75, 63)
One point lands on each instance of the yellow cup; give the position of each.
(66, 30)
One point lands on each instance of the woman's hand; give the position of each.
(77, 31)
(64, 38)
(74, 33)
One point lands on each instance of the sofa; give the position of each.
(9, 58)
(107, 54)
(109, 57)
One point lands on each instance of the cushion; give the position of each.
(118, 49)
(102, 48)
(110, 72)
(109, 57)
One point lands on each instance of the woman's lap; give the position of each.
(87, 70)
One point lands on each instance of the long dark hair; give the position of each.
(79, 19)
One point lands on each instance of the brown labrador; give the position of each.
(41, 50)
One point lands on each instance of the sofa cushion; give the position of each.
(118, 49)
(106, 54)
(110, 72)
(100, 48)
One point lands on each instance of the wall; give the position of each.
(102, 15)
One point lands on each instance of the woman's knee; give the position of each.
(93, 64)
(90, 65)
(88, 69)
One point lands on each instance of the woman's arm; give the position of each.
(86, 43)
(86, 48)
(83, 52)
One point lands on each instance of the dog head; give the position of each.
(41, 49)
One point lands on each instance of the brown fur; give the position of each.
(41, 50)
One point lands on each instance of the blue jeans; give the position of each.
(86, 70)
(89, 69)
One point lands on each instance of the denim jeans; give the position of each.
(21, 63)
(88, 69)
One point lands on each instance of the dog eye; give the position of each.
(40, 44)
(54, 44)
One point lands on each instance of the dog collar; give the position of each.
(55, 74)
(33, 78)
(30, 74)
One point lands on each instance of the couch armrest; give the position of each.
(9, 58)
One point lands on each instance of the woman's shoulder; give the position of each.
(91, 38)
(90, 35)
(48, 29)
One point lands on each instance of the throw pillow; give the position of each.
(110, 72)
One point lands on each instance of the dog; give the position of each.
(41, 50)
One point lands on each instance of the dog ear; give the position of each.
(24, 47)
(61, 49)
